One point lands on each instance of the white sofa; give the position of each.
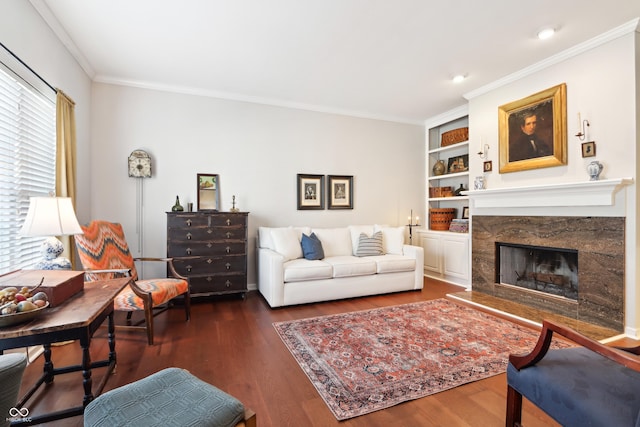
(285, 277)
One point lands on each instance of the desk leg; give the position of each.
(112, 339)
(87, 382)
(48, 364)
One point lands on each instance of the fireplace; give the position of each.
(551, 271)
(595, 244)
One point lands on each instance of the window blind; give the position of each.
(27, 160)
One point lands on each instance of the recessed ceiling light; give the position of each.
(545, 33)
(459, 78)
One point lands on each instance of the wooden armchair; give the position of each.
(104, 253)
(588, 385)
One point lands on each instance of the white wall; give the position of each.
(602, 84)
(257, 150)
(23, 31)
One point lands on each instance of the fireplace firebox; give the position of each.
(552, 271)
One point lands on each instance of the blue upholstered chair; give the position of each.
(588, 385)
(11, 369)
(172, 397)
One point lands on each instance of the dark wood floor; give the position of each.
(232, 344)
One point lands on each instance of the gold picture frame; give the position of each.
(533, 131)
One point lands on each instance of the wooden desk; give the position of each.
(76, 319)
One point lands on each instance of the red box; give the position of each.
(59, 285)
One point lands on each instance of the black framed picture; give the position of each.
(310, 191)
(458, 164)
(340, 191)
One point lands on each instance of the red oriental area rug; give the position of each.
(364, 361)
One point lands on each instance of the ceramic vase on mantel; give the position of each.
(594, 169)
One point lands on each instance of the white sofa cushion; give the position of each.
(266, 239)
(335, 241)
(286, 242)
(355, 231)
(393, 263)
(299, 270)
(349, 266)
(392, 239)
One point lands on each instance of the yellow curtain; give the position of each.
(66, 159)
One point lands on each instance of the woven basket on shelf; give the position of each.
(454, 136)
(440, 218)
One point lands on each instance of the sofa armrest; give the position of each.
(271, 276)
(417, 253)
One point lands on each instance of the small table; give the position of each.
(76, 319)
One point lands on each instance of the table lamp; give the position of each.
(51, 216)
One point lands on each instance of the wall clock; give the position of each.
(139, 164)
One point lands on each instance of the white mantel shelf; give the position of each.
(586, 193)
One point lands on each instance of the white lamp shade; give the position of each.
(50, 216)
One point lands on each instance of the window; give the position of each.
(27, 156)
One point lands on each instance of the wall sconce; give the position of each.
(484, 151)
(582, 128)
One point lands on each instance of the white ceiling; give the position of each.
(387, 59)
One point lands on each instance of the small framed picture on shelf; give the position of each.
(487, 166)
(465, 212)
(458, 164)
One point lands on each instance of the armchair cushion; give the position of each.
(594, 391)
(162, 290)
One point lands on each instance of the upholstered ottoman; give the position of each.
(171, 397)
(11, 369)
(578, 387)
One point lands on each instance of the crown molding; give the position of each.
(590, 44)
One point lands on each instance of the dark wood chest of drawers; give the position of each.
(211, 249)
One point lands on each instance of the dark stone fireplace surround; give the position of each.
(587, 216)
(600, 245)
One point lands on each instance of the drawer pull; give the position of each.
(227, 284)
(189, 236)
(209, 231)
(209, 279)
(228, 234)
(228, 249)
(209, 261)
(228, 221)
(228, 266)
(188, 251)
(188, 223)
(189, 268)
(209, 245)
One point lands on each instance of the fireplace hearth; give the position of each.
(511, 260)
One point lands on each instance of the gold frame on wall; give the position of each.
(549, 110)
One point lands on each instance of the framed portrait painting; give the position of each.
(340, 192)
(310, 191)
(533, 131)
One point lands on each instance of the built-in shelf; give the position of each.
(586, 193)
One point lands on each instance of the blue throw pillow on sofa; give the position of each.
(311, 247)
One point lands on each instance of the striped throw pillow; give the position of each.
(370, 246)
